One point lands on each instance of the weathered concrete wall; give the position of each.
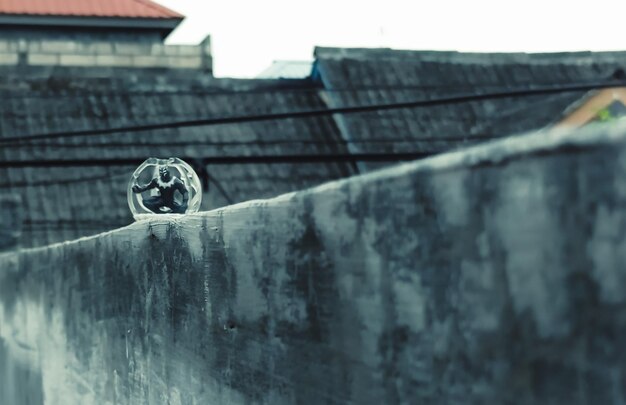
(489, 276)
(111, 53)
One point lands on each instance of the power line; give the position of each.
(261, 142)
(225, 160)
(318, 112)
(64, 181)
(49, 182)
(125, 173)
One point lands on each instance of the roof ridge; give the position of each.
(450, 56)
(160, 8)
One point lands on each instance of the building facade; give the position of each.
(119, 33)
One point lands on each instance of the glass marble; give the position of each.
(164, 186)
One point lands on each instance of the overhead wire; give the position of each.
(110, 176)
(46, 182)
(261, 117)
(276, 116)
(316, 112)
(262, 142)
(221, 160)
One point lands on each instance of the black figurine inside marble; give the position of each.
(167, 185)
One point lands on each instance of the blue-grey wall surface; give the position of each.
(493, 275)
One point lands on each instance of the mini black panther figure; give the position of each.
(167, 185)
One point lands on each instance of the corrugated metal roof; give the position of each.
(88, 8)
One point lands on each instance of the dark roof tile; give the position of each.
(59, 197)
(429, 75)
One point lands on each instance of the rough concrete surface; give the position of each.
(493, 275)
(90, 50)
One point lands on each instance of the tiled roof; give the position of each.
(65, 202)
(378, 76)
(68, 202)
(88, 8)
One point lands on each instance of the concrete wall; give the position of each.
(112, 53)
(488, 276)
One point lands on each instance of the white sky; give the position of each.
(247, 35)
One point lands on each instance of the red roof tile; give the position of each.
(88, 8)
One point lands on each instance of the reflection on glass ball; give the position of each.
(164, 186)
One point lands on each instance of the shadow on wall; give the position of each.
(11, 222)
(19, 384)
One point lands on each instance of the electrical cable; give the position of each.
(20, 184)
(221, 160)
(473, 137)
(316, 112)
(210, 178)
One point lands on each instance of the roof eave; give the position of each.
(161, 24)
